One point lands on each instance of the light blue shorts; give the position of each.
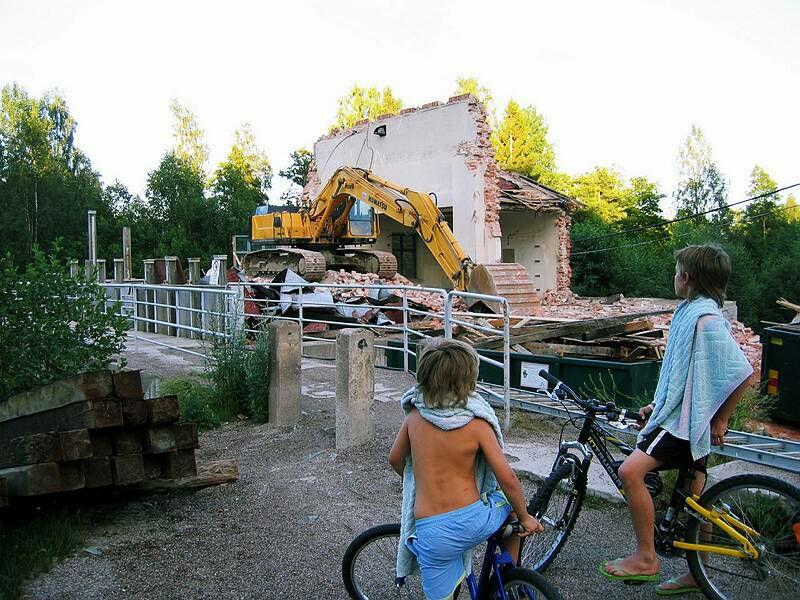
(441, 541)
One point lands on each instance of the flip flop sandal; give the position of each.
(680, 588)
(624, 577)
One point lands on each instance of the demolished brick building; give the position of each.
(445, 149)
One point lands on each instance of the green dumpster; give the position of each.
(780, 357)
(630, 384)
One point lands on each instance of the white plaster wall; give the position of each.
(429, 272)
(421, 151)
(534, 239)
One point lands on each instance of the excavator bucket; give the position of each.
(509, 280)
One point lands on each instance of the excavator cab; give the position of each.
(362, 221)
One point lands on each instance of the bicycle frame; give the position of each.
(495, 557)
(593, 439)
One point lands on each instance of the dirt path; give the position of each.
(281, 530)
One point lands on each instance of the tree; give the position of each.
(643, 206)
(365, 103)
(190, 145)
(470, 85)
(603, 193)
(701, 186)
(521, 145)
(241, 182)
(297, 173)
(792, 210)
(46, 182)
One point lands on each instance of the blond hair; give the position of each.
(447, 372)
(709, 269)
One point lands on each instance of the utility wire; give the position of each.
(685, 218)
(747, 218)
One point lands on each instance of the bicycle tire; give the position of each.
(538, 551)
(368, 566)
(771, 507)
(524, 584)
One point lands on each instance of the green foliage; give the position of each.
(365, 103)
(236, 382)
(471, 85)
(603, 193)
(521, 145)
(30, 545)
(42, 173)
(752, 405)
(196, 401)
(190, 146)
(51, 325)
(701, 185)
(297, 173)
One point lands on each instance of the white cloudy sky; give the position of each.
(619, 83)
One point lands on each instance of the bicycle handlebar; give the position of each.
(591, 406)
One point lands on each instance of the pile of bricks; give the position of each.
(95, 430)
(434, 302)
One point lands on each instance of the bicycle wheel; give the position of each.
(772, 508)
(556, 504)
(368, 567)
(524, 584)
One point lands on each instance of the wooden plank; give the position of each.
(102, 443)
(83, 387)
(163, 410)
(158, 440)
(75, 444)
(153, 466)
(3, 493)
(631, 327)
(29, 449)
(212, 473)
(127, 441)
(127, 470)
(97, 472)
(128, 385)
(134, 412)
(543, 332)
(180, 464)
(90, 414)
(562, 349)
(32, 480)
(72, 476)
(186, 436)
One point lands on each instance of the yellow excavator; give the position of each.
(345, 214)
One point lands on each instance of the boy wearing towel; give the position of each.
(449, 453)
(703, 375)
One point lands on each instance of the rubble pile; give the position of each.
(432, 301)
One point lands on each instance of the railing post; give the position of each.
(448, 315)
(147, 300)
(195, 301)
(506, 366)
(405, 329)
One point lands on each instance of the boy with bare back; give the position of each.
(449, 452)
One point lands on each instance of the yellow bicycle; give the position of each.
(741, 537)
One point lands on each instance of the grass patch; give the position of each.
(752, 405)
(235, 382)
(32, 545)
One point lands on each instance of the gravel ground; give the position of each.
(280, 531)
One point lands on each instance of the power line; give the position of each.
(685, 218)
(662, 239)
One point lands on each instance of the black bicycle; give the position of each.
(741, 538)
(368, 570)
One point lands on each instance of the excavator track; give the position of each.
(384, 264)
(310, 265)
(509, 280)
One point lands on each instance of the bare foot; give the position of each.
(632, 565)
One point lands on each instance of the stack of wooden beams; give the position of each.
(626, 338)
(94, 430)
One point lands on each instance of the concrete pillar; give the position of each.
(119, 270)
(74, 268)
(115, 293)
(355, 387)
(126, 253)
(101, 270)
(284, 372)
(195, 300)
(92, 226)
(165, 299)
(145, 298)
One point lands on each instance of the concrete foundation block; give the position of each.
(284, 373)
(355, 387)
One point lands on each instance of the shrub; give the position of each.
(52, 325)
(236, 382)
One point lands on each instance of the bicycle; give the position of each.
(741, 537)
(368, 570)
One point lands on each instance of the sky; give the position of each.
(619, 83)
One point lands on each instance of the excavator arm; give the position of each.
(406, 206)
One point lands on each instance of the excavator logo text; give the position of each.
(374, 201)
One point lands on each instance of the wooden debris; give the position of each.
(162, 410)
(32, 480)
(29, 449)
(212, 473)
(75, 444)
